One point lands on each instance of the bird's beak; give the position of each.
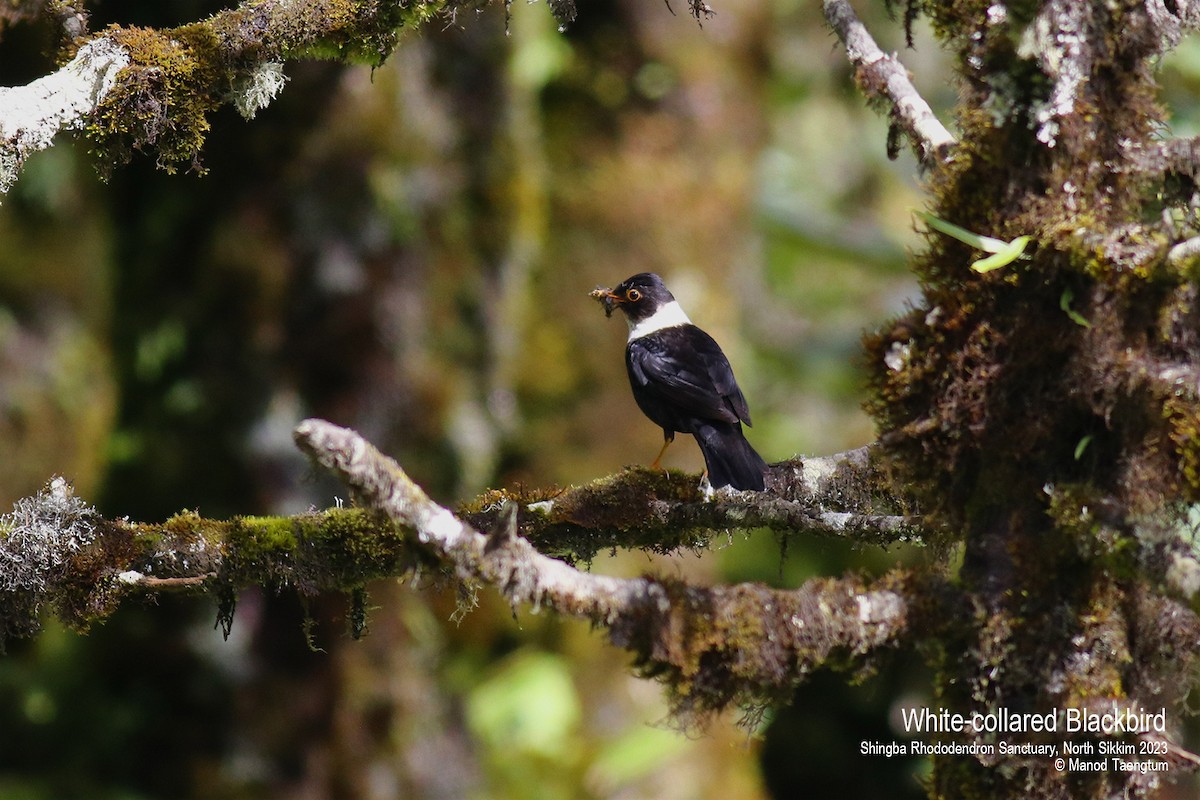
(607, 299)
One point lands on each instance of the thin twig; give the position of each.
(133, 578)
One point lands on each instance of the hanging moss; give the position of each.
(162, 100)
(749, 644)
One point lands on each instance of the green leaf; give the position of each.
(1083, 445)
(985, 243)
(1064, 303)
(1011, 252)
(1003, 252)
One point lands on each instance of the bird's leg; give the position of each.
(667, 439)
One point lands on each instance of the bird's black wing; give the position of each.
(684, 367)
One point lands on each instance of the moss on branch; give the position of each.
(57, 553)
(712, 646)
(750, 645)
(844, 496)
(177, 77)
(81, 566)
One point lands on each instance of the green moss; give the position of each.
(162, 100)
(177, 77)
(265, 536)
(337, 549)
(615, 511)
(1183, 427)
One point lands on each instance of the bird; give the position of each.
(683, 382)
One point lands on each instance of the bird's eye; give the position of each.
(633, 295)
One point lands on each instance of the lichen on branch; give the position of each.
(146, 90)
(177, 77)
(712, 646)
(885, 81)
(34, 113)
(135, 89)
(58, 554)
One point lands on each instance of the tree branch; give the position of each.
(143, 89)
(840, 495)
(55, 551)
(1171, 19)
(713, 646)
(883, 78)
(146, 89)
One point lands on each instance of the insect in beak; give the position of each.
(606, 297)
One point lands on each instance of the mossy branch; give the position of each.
(58, 553)
(842, 495)
(711, 645)
(134, 89)
(144, 89)
(31, 115)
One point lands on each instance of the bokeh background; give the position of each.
(407, 250)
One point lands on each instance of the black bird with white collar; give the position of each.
(682, 381)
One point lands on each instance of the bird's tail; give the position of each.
(730, 459)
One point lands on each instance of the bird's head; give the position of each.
(638, 297)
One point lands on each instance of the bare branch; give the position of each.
(509, 562)
(883, 77)
(135, 578)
